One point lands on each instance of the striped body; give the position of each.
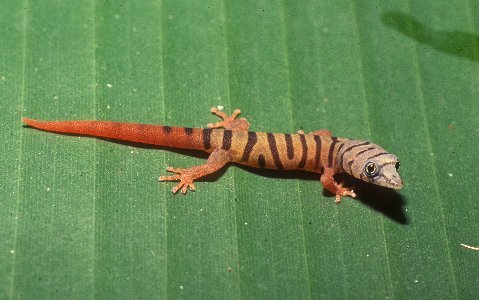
(277, 150)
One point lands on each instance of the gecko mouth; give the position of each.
(396, 184)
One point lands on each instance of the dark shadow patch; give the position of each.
(458, 43)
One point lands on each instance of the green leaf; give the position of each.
(86, 218)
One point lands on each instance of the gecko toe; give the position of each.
(338, 199)
(169, 178)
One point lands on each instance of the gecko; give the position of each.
(230, 141)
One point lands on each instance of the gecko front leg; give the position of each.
(330, 184)
(217, 159)
(229, 122)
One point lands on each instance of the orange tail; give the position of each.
(178, 137)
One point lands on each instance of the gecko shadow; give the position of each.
(458, 43)
(386, 201)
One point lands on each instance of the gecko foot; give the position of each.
(182, 175)
(229, 122)
(344, 192)
(217, 159)
(327, 179)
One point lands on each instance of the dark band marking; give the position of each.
(304, 156)
(167, 129)
(388, 163)
(227, 137)
(341, 159)
(377, 155)
(363, 151)
(252, 139)
(274, 150)
(188, 130)
(289, 145)
(339, 151)
(207, 138)
(317, 156)
(350, 163)
(334, 141)
(341, 147)
(261, 161)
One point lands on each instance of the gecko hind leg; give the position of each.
(229, 122)
(217, 159)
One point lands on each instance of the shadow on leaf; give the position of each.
(384, 200)
(458, 43)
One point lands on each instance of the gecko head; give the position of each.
(370, 163)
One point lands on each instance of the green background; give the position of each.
(86, 218)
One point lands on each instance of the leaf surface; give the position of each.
(86, 218)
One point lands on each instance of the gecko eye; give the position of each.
(397, 165)
(371, 169)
